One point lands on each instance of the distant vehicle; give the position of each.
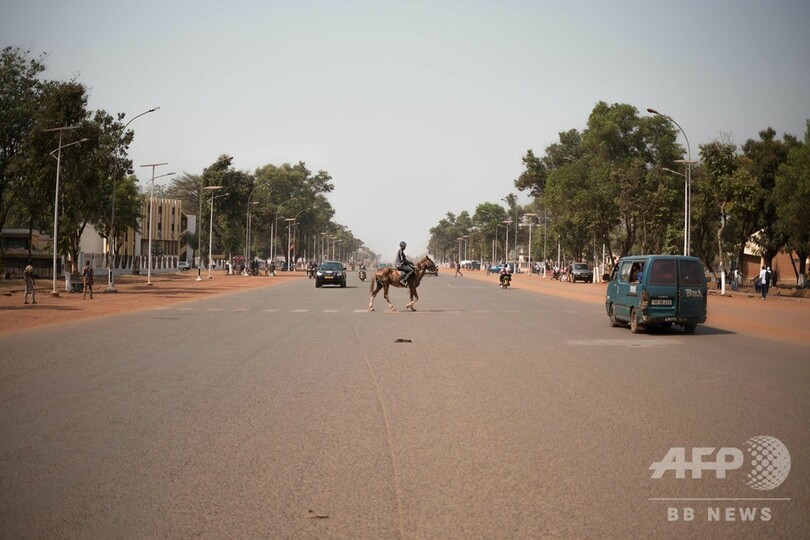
(184, 266)
(657, 290)
(330, 273)
(581, 272)
(497, 268)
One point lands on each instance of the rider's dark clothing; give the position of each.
(404, 266)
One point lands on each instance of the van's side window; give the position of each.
(662, 272)
(624, 271)
(690, 272)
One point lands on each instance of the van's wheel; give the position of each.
(689, 328)
(614, 322)
(635, 326)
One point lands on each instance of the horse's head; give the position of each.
(427, 263)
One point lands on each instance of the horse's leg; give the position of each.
(414, 299)
(385, 295)
(374, 292)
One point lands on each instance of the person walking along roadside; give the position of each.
(765, 281)
(87, 277)
(458, 269)
(30, 284)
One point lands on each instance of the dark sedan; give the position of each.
(330, 273)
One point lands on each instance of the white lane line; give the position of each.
(235, 310)
(299, 311)
(273, 310)
(626, 342)
(360, 311)
(329, 311)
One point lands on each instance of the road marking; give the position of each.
(299, 311)
(273, 310)
(626, 342)
(360, 311)
(329, 311)
(240, 309)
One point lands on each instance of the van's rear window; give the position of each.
(663, 272)
(691, 272)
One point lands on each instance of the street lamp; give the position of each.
(151, 215)
(290, 222)
(506, 222)
(199, 211)
(531, 217)
(212, 189)
(687, 191)
(274, 229)
(58, 157)
(248, 223)
(111, 278)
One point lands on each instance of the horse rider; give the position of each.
(403, 264)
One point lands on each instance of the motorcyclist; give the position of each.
(403, 264)
(362, 271)
(506, 270)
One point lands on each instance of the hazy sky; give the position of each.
(415, 108)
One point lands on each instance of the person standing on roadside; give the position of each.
(30, 284)
(765, 281)
(87, 278)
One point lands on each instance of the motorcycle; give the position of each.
(311, 272)
(362, 274)
(506, 280)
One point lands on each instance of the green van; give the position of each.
(657, 290)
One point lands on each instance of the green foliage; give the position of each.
(791, 198)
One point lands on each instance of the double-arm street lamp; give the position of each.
(290, 222)
(111, 266)
(199, 213)
(248, 224)
(530, 224)
(152, 214)
(212, 189)
(506, 223)
(58, 157)
(687, 190)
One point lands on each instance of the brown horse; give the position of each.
(387, 277)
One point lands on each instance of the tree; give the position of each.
(791, 198)
(766, 156)
(20, 89)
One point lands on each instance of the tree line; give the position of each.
(32, 106)
(620, 183)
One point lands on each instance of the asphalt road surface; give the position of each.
(294, 412)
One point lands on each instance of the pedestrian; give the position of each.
(30, 283)
(458, 269)
(87, 278)
(765, 281)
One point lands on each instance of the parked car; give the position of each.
(183, 266)
(581, 272)
(330, 273)
(657, 290)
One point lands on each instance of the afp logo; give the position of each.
(765, 458)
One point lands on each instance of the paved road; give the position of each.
(291, 412)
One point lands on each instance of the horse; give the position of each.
(387, 277)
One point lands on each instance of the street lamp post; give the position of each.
(199, 212)
(248, 224)
(58, 157)
(111, 278)
(211, 229)
(289, 221)
(274, 229)
(687, 192)
(506, 222)
(152, 216)
(531, 217)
